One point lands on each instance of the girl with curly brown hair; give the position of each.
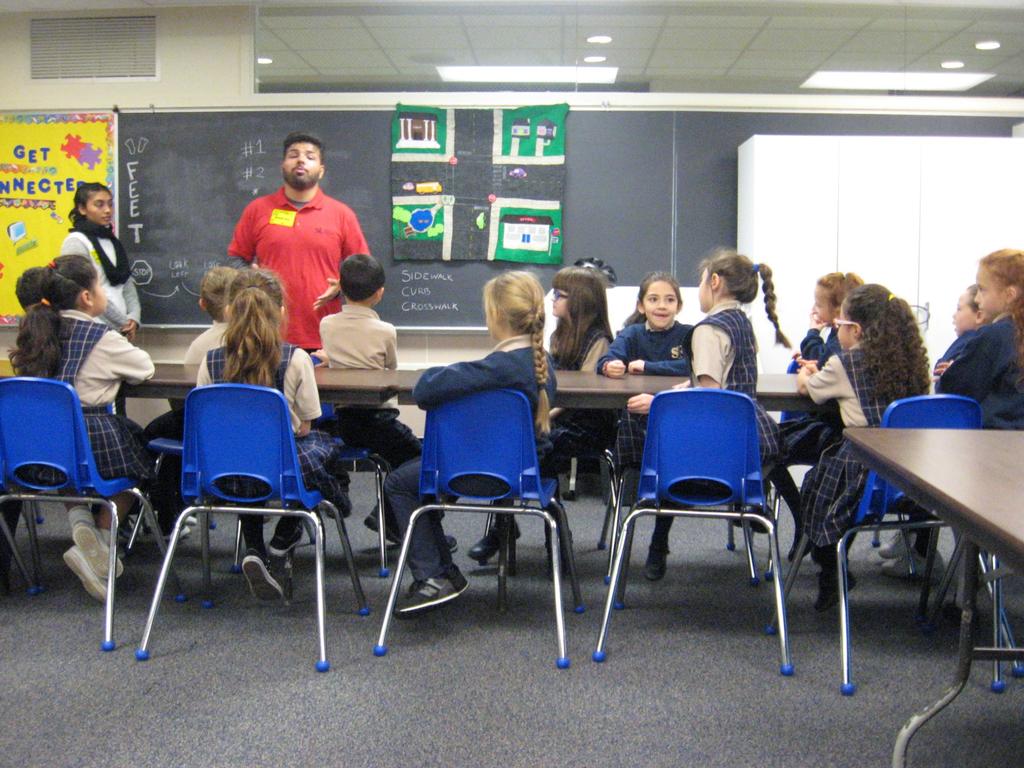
(882, 359)
(989, 368)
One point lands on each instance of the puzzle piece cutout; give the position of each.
(82, 151)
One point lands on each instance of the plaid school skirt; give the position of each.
(830, 494)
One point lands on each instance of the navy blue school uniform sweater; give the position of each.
(814, 347)
(957, 347)
(501, 369)
(987, 371)
(663, 352)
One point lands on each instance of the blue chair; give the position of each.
(878, 503)
(480, 455)
(701, 460)
(26, 404)
(245, 431)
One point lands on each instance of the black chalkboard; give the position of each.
(644, 191)
(184, 178)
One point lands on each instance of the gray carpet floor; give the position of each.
(690, 679)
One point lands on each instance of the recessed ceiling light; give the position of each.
(599, 39)
(895, 81)
(594, 59)
(952, 65)
(602, 75)
(987, 45)
(264, 60)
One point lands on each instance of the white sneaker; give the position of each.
(893, 548)
(79, 565)
(899, 568)
(96, 552)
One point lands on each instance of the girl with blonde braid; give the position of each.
(514, 309)
(723, 355)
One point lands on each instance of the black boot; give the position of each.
(654, 568)
(487, 547)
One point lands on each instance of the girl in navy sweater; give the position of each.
(514, 309)
(652, 343)
(967, 319)
(722, 354)
(989, 368)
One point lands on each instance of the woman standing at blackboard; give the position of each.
(93, 237)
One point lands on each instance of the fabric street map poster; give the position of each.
(43, 159)
(478, 184)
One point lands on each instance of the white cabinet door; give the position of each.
(787, 218)
(879, 200)
(972, 203)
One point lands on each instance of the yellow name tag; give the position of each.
(282, 217)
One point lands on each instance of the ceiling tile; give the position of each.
(785, 60)
(415, 39)
(520, 37)
(706, 39)
(892, 40)
(725, 20)
(342, 58)
(517, 57)
(800, 39)
(632, 37)
(329, 38)
(692, 59)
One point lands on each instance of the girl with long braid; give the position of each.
(723, 355)
(514, 309)
(61, 337)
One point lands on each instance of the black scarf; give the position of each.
(117, 274)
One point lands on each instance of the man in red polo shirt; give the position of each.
(303, 235)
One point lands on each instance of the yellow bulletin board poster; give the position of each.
(43, 159)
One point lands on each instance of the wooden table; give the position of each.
(576, 389)
(972, 479)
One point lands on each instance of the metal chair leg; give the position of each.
(33, 538)
(613, 597)
(613, 491)
(616, 520)
(748, 542)
(501, 527)
(842, 574)
(564, 538)
(19, 563)
(730, 536)
(362, 608)
(627, 542)
(382, 542)
(142, 653)
(570, 494)
(803, 544)
(236, 566)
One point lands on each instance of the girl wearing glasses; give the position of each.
(882, 359)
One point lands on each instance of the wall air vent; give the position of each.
(96, 47)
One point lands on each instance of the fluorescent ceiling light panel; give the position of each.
(594, 59)
(599, 39)
(952, 65)
(264, 60)
(590, 75)
(987, 45)
(895, 81)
